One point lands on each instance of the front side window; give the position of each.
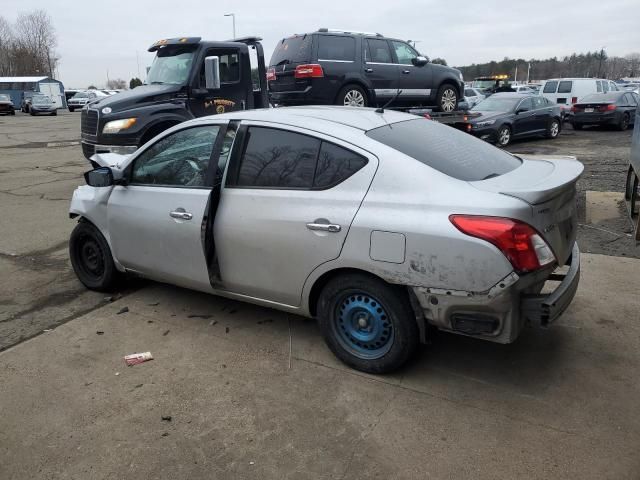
(550, 87)
(565, 86)
(446, 149)
(332, 47)
(404, 52)
(525, 105)
(377, 51)
(278, 159)
(539, 102)
(180, 159)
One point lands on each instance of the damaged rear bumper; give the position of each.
(500, 314)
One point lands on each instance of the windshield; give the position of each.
(4, 98)
(40, 100)
(484, 83)
(171, 66)
(496, 104)
(81, 95)
(446, 149)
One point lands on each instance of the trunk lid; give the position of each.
(548, 185)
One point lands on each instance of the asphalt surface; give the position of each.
(254, 393)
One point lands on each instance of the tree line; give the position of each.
(590, 64)
(27, 47)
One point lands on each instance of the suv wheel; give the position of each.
(368, 324)
(352, 96)
(447, 99)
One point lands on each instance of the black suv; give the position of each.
(358, 69)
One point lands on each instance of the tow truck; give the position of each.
(188, 78)
(489, 84)
(632, 187)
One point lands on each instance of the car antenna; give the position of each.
(381, 109)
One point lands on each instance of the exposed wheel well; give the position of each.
(451, 83)
(156, 130)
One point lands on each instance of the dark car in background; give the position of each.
(42, 105)
(6, 105)
(613, 108)
(358, 69)
(504, 117)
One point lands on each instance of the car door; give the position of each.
(379, 68)
(155, 222)
(542, 113)
(233, 92)
(286, 207)
(524, 121)
(414, 81)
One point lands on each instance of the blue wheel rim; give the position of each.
(362, 326)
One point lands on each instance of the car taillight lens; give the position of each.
(519, 242)
(271, 74)
(576, 108)
(574, 99)
(607, 108)
(309, 71)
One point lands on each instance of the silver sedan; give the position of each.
(377, 224)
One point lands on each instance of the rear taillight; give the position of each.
(574, 99)
(576, 108)
(518, 241)
(607, 108)
(309, 71)
(271, 74)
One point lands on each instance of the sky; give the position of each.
(111, 40)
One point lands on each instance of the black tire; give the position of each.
(623, 124)
(553, 130)
(32, 114)
(503, 137)
(577, 126)
(55, 114)
(447, 98)
(91, 258)
(353, 96)
(13, 112)
(71, 109)
(385, 307)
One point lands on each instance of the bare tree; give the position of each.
(116, 84)
(633, 64)
(34, 44)
(6, 47)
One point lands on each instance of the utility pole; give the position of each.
(138, 62)
(516, 76)
(528, 71)
(49, 61)
(600, 64)
(233, 17)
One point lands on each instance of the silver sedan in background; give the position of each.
(377, 224)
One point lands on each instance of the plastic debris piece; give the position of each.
(136, 358)
(117, 373)
(166, 333)
(123, 310)
(206, 317)
(226, 330)
(166, 418)
(212, 323)
(99, 332)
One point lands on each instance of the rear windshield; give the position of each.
(550, 87)
(446, 149)
(601, 97)
(292, 50)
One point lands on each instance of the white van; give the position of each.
(567, 91)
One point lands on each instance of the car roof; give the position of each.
(513, 95)
(355, 117)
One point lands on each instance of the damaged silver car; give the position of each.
(378, 224)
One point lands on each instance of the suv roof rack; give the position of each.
(337, 30)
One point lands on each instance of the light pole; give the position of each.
(233, 17)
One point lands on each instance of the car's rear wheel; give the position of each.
(71, 109)
(352, 96)
(503, 137)
(91, 258)
(368, 324)
(623, 124)
(447, 98)
(553, 130)
(13, 112)
(55, 113)
(577, 126)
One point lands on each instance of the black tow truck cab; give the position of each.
(189, 78)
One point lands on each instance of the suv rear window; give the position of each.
(565, 86)
(446, 149)
(332, 47)
(550, 87)
(292, 50)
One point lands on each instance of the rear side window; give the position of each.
(336, 48)
(599, 86)
(377, 51)
(446, 149)
(565, 86)
(292, 50)
(550, 87)
(278, 159)
(336, 164)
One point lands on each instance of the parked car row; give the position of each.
(81, 98)
(6, 105)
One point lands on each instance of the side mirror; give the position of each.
(212, 73)
(521, 110)
(420, 61)
(99, 177)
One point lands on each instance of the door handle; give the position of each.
(324, 227)
(368, 70)
(181, 214)
(406, 72)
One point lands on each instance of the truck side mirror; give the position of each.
(212, 73)
(420, 61)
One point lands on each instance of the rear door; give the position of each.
(234, 84)
(379, 68)
(155, 222)
(415, 82)
(542, 111)
(289, 198)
